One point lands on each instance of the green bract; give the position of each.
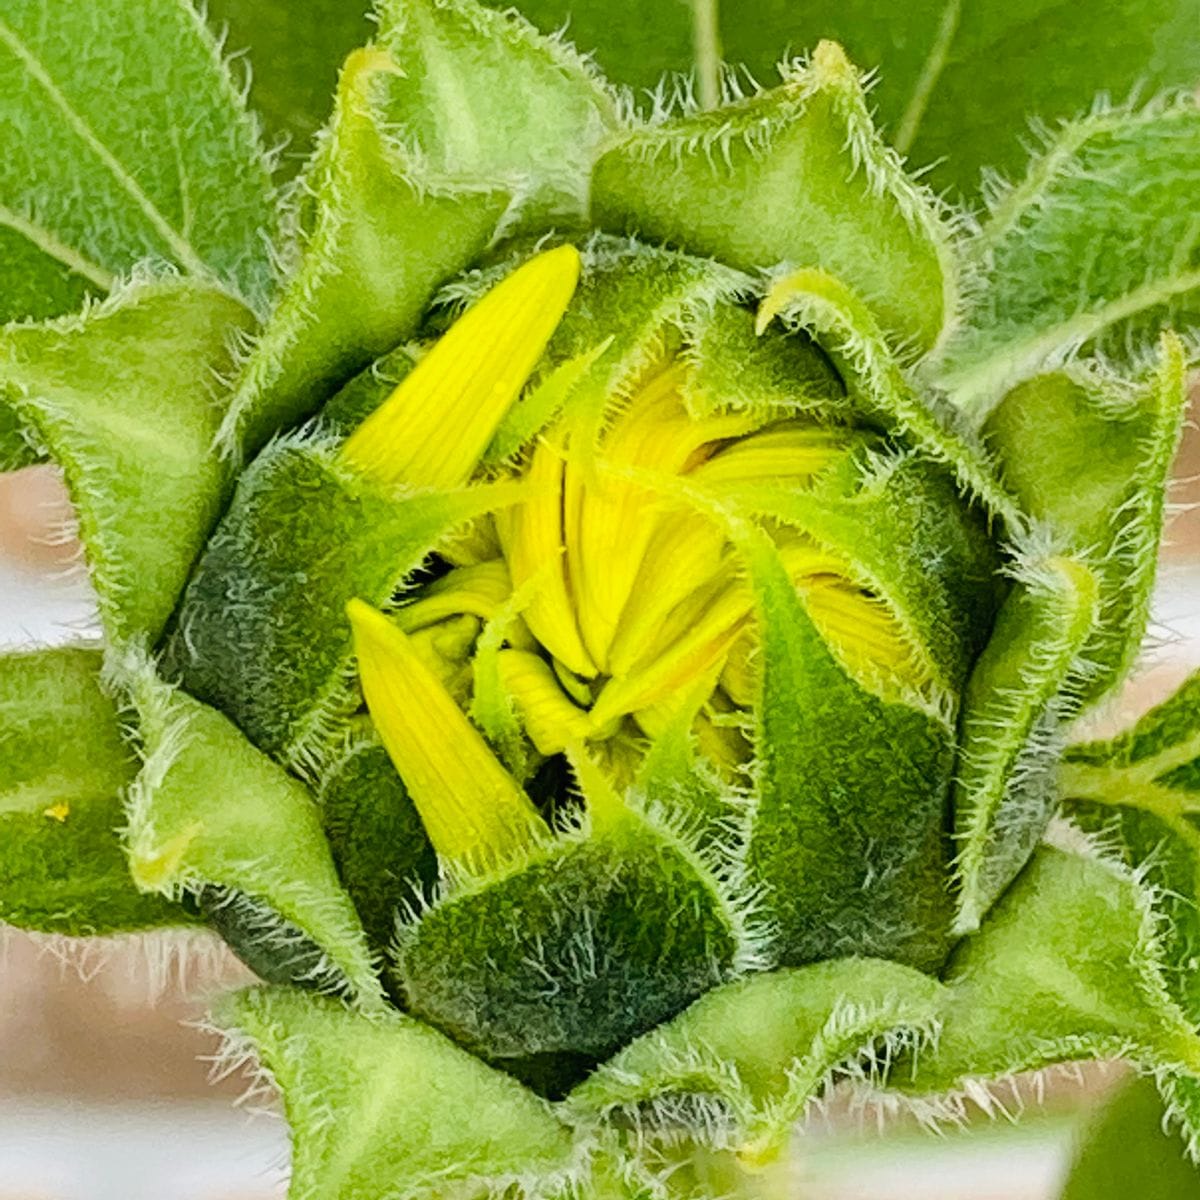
(598, 627)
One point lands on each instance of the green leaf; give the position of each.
(63, 766)
(1097, 246)
(211, 817)
(1090, 457)
(167, 167)
(414, 177)
(294, 52)
(124, 399)
(794, 176)
(1025, 687)
(1126, 1152)
(753, 1054)
(1065, 967)
(383, 1105)
(1142, 790)
(303, 535)
(958, 82)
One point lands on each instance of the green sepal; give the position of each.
(383, 1105)
(1067, 966)
(751, 1055)
(1024, 689)
(64, 764)
(211, 817)
(262, 632)
(1126, 1151)
(794, 176)
(379, 845)
(455, 57)
(846, 831)
(840, 321)
(568, 952)
(377, 234)
(121, 397)
(1090, 456)
(1141, 791)
(1096, 246)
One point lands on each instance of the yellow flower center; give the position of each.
(615, 598)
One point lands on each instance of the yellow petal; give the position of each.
(616, 517)
(475, 814)
(433, 429)
(533, 540)
(551, 719)
(478, 590)
(791, 451)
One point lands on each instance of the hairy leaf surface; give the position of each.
(169, 170)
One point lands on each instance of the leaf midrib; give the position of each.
(182, 249)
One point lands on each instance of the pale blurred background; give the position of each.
(104, 1089)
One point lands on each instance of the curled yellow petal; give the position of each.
(434, 428)
(475, 814)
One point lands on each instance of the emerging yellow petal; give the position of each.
(433, 429)
(475, 814)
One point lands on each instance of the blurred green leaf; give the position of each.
(294, 49)
(1126, 1152)
(958, 82)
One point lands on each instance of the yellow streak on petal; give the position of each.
(859, 626)
(550, 718)
(533, 539)
(433, 429)
(699, 648)
(791, 451)
(474, 812)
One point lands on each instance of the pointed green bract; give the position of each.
(569, 952)
(125, 399)
(898, 520)
(377, 236)
(1090, 456)
(455, 58)
(384, 1105)
(1141, 791)
(63, 766)
(1024, 689)
(793, 176)
(173, 173)
(762, 1048)
(410, 183)
(1066, 966)
(211, 817)
(1095, 246)
(846, 835)
(841, 323)
(262, 632)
